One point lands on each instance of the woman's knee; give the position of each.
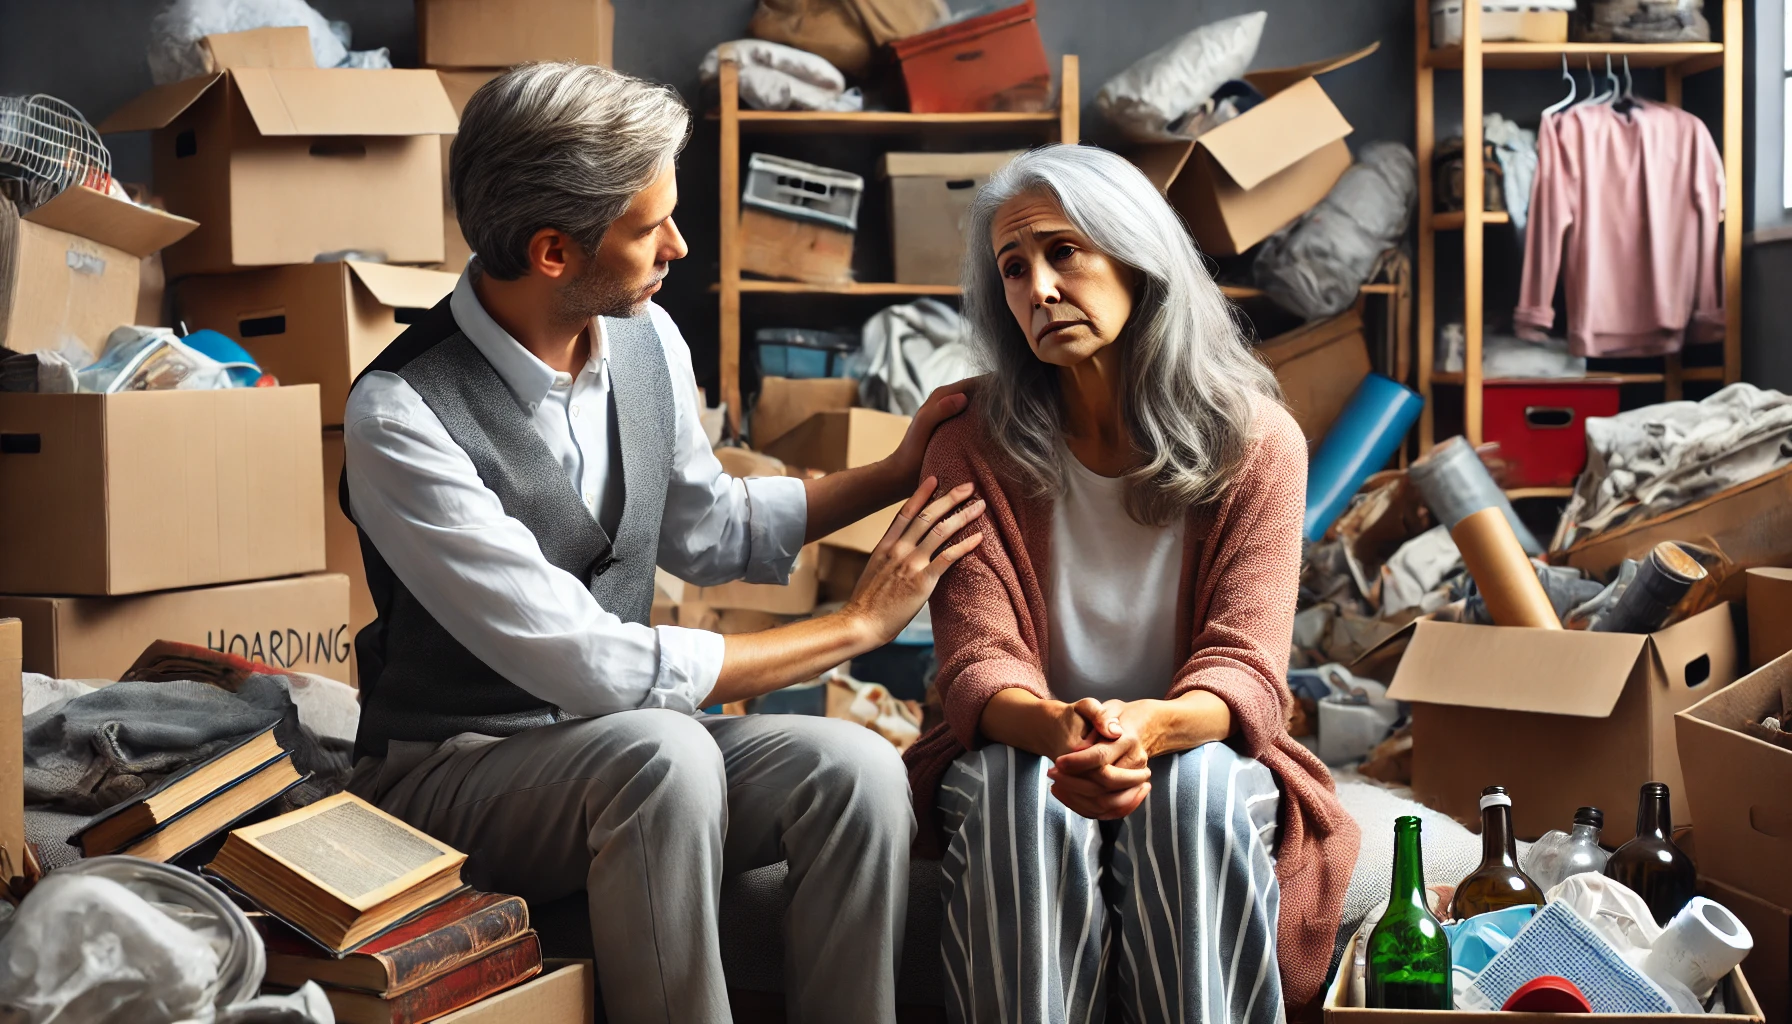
(1237, 790)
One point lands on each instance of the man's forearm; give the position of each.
(758, 663)
(841, 499)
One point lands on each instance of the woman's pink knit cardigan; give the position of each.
(1240, 574)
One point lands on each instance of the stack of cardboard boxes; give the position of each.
(200, 516)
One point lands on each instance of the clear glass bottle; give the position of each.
(1559, 854)
(1497, 883)
(1409, 954)
(1651, 864)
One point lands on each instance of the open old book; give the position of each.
(341, 870)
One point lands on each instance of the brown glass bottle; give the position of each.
(1651, 865)
(1497, 883)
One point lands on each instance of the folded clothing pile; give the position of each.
(778, 77)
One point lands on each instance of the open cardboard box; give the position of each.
(314, 323)
(1739, 999)
(1561, 718)
(1246, 179)
(151, 490)
(300, 623)
(1769, 614)
(845, 439)
(1769, 964)
(342, 547)
(280, 160)
(12, 750)
(784, 403)
(71, 270)
(499, 33)
(460, 85)
(1740, 786)
(1319, 366)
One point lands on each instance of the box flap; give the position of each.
(288, 47)
(158, 107)
(1558, 672)
(12, 646)
(404, 287)
(1161, 161)
(1270, 81)
(944, 165)
(1275, 134)
(345, 101)
(1699, 647)
(118, 223)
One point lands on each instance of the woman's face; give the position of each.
(1070, 299)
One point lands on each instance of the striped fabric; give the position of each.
(1171, 910)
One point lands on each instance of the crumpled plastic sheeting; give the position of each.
(118, 939)
(174, 34)
(1316, 266)
(778, 77)
(1162, 86)
(1649, 461)
(908, 350)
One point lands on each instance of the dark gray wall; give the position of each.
(90, 53)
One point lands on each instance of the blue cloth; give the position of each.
(1475, 942)
(1558, 942)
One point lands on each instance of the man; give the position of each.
(517, 463)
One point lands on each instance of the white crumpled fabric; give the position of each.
(1516, 150)
(119, 940)
(908, 350)
(1159, 88)
(778, 77)
(1622, 919)
(174, 34)
(1417, 568)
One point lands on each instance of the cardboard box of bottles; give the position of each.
(1341, 1007)
(1769, 964)
(1560, 718)
(1739, 786)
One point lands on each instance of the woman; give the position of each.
(1121, 802)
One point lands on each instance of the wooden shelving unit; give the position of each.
(1061, 125)
(1473, 59)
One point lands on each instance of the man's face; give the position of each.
(632, 259)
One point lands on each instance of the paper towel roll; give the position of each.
(1702, 943)
(1503, 573)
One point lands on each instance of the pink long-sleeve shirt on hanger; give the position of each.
(1626, 210)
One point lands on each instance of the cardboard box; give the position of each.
(280, 160)
(71, 271)
(12, 751)
(785, 402)
(150, 490)
(1319, 366)
(314, 323)
(342, 544)
(1560, 718)
(460, 85)
(499, 33)
(930, 194)
(1741, 786)
(300, 623)
(1246, 179)
(1769, 614)
(561, 994)
(797, 597)
(1497, 26)
(846, 439)
(1751, 524)
(1739, 997)
(794, 250)
(840, 570)
(1769, 964)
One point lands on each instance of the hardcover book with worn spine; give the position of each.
(462, 928)
(508, 965)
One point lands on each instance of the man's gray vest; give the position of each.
(417, 681)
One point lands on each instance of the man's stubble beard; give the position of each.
(592, 295)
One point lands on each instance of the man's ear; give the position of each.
(551, 253)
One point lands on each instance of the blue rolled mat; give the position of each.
(1364, 438)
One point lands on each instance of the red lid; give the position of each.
(1548, 994)
(959, 31)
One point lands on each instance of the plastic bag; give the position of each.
(1642, 21)
(1316, 266)
(174, 34)
(153, 359)
(1145, 99)
(778, 77)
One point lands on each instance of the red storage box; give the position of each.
(1541, 426)
(993, 62)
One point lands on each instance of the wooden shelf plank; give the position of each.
(850, 288)
(1517, 493)
(1702, 373)
(1449, 377)
(1688, 57)
(1452, 220)
(891, 122)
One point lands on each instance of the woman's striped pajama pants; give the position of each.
(1171, 910)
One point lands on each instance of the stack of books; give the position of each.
(374, 911)
(193, 805)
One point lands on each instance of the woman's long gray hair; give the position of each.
(1191, 381)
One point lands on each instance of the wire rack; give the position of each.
(46, 146)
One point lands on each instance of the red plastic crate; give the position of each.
(1541, 426)
(992, 62)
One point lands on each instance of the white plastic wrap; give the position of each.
(778, 77)
(174, 34)
(1145, 99)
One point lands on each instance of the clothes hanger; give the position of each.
(1627, 102)
(1592, 95)
(1610, 97)
(1565, 102)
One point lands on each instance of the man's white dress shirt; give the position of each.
(481, 573)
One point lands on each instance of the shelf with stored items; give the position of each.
(1060, 125)
(1473, 58)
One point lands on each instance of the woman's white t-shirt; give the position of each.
(1114, 587)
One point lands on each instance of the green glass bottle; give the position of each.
(1409, 954)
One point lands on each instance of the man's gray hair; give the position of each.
(557, 145)
(1191, 381)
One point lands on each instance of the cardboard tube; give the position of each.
(1503, 573)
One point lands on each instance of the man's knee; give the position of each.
(658, 756)
(856, 765)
